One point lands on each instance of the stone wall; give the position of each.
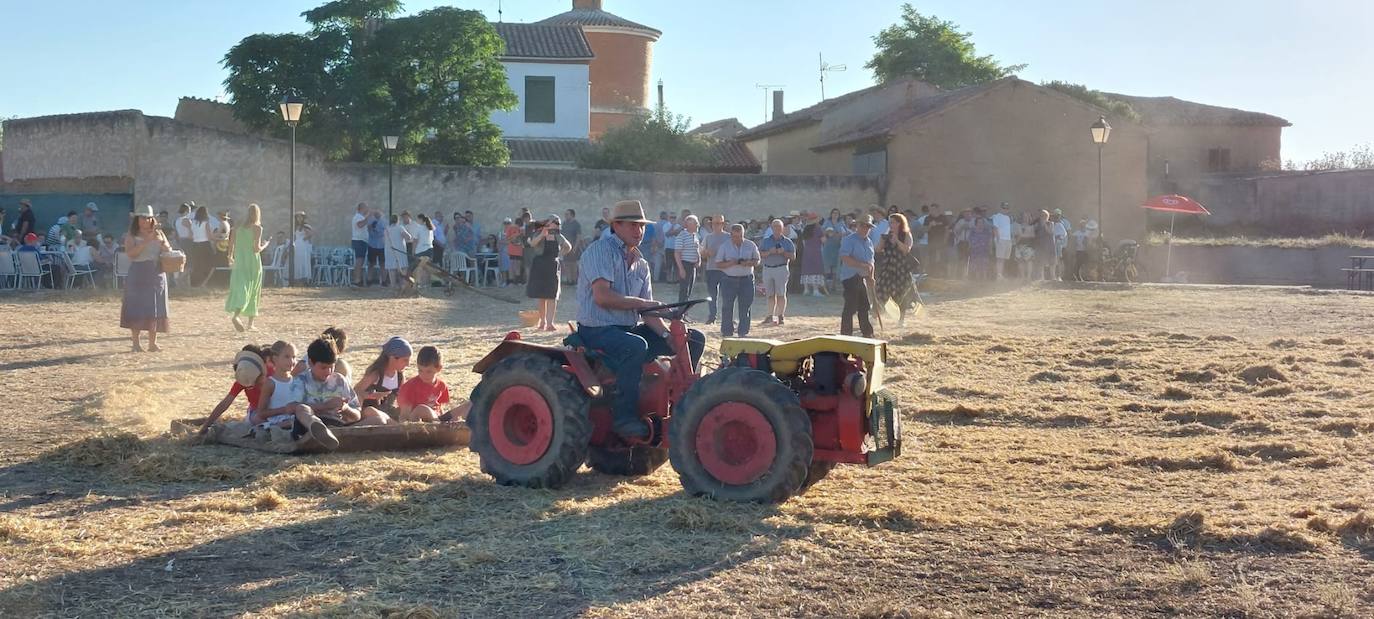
(173, 162)
(1289, 204)
(73, 145)
(1320, 266)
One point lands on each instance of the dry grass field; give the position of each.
(1082, 453)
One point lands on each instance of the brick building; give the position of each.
(1007, 140)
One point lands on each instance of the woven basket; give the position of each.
(173, 263)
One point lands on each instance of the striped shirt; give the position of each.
(606, 259)
(688, 247)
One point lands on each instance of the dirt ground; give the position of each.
(1083, 453)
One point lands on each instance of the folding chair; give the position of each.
(9, 272)
(121, 269)
(76, 267)
(30, 268)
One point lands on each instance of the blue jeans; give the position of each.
(625, 350)
(735, 289)
(713, 278)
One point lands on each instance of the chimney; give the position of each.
(594, 5)
(777, 104)
(660, 95)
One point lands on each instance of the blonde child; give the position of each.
(421, 398)
(285, 401)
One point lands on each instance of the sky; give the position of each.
(1308, 63)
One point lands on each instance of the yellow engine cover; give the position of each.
(787, 356)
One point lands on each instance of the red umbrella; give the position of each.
(1175, 204)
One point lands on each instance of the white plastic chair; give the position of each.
(491, 272)
(277, 266)
(463, 265)
(342, 267)
(9, 271)
(31, 269)
(121, 269)
(319, 259)
(78, 266)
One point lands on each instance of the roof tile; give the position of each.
(552, 42)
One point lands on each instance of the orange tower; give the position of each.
(620, 70)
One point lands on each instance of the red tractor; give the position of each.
(769, 423)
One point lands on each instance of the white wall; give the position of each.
(572, 101)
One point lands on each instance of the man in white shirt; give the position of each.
(440, 238)
(687, 254)
(413, 228)
(1001, 222)
(736, 258)
(358, 234)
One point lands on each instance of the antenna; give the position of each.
(827, 68)
(765, 88)
(500, 16)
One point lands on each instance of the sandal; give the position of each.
(137, 347)
(238, 326)
(154, 348)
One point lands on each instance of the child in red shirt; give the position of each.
(251, 369)
(422, 397)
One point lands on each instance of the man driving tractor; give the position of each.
(613, 284)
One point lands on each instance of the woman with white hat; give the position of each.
(145, 291)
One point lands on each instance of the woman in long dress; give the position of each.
(894, 265)
(304, 246)
(202, 254)
(145, 291)
(396, 240)
(245, 269)
(812, 260)
(544, 278)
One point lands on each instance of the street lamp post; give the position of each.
(291, 107)
(389, 142)
(1101, 131)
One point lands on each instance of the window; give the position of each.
(870, 160)
(1218, 159)
(538, 99)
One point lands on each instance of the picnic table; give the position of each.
(1359, 277)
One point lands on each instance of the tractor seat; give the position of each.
(574, 340)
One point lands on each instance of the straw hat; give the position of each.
(248, 368)
(629, 210)
(864, 220)
(146, 211)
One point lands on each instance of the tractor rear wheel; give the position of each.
(530, 422)
(741, 435)
(629, 461)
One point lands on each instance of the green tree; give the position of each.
(657, 142)
(1115, 108)
(432, 78)
(932, 50)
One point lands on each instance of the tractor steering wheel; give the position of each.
(671, 311)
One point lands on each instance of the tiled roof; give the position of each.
(881, 126)
(728, 157)
(1168, 111)
(550, 151)
(597, 17)
(723, 129)
(544, 41)
(804, 116)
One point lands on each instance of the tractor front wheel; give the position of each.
(741, 435)
(530, 422)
